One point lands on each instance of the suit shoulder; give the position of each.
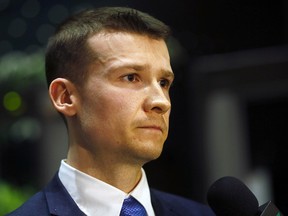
(34, 206)
(172, 198)
(181, 204)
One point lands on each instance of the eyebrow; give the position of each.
(137, 67)
(168, 73)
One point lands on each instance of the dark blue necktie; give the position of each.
(131, 207)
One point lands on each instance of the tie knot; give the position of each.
(131, 207)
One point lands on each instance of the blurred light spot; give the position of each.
(5, 47)
(58, 13)
(26, 128)
(12, 101)
(17, 27)
(44, 32)
(30, 8)
(4, 4)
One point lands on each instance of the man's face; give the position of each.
(124, 105)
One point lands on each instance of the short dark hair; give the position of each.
(68, 54)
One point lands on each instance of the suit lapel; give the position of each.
(59, 201)
(160, 208)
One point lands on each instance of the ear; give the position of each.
(63, 95)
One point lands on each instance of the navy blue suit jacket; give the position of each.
(55, 200)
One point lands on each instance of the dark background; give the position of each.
(200, 28)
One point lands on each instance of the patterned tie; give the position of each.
(131, 207)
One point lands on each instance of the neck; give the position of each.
(122, 175)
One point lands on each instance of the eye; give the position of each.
(165, 83)
(131, 77)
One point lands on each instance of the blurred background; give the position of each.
(230, 97)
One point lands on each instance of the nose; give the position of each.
(157, 100)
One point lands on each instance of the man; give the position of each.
(109, 75)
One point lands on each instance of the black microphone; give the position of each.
(229, 196)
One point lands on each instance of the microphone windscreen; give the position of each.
(229, 196)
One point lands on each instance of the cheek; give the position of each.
(117, 107)
(118, 104)
(166, 117)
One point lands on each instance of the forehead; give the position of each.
(122, 38)
(125, 47)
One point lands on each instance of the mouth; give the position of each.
(152, 128)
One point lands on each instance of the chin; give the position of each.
(151, 154)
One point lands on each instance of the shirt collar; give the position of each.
(94, 197)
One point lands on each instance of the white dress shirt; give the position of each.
(97, 198)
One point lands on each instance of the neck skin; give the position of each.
(109, 169)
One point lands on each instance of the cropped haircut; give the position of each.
(68, 54)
